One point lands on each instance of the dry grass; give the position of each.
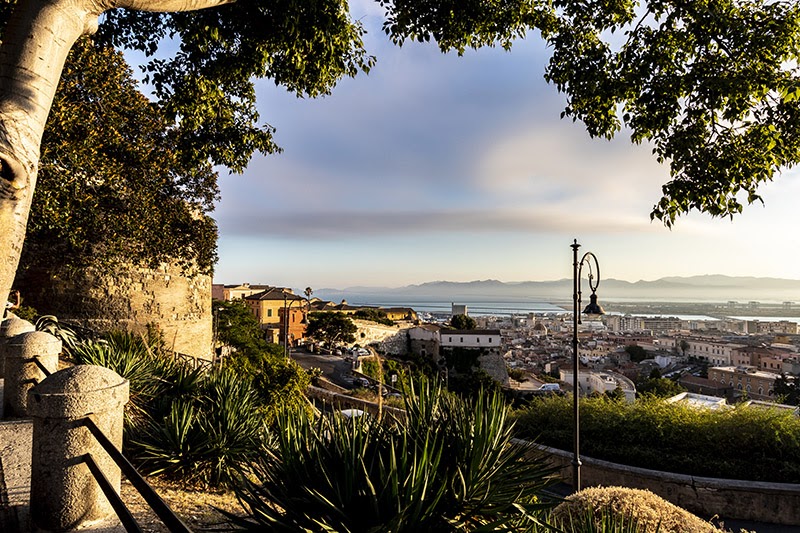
(652, 513)
(195, 506)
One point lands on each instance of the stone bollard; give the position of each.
(64, 493)
(21, 371)
(11, 327)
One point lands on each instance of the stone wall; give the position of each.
(774, 503)
(390, 340)
(130, 299)
(494, 365)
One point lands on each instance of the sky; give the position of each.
(439, 167)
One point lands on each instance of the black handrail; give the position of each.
(41, 366)
(124, 515)
(159, 506)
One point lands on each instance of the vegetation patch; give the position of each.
(654, 434)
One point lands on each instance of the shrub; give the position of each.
(450, 465)
(624, 509)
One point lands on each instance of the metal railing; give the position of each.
(159, 506)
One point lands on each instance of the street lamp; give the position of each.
(592, 309)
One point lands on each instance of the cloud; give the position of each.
(353, 225)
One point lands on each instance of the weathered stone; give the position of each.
(22, 372)
(64, 493)
(11, 327)
(130, 298)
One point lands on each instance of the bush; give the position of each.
(449, 466)
(624, 509)
(652, 433)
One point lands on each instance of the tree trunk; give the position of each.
(35, 45)
(36, 41)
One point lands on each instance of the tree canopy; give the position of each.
(331, 328)
(111, 186)
(464, 322)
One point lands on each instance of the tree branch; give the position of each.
(170, 6)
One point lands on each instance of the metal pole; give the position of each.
(576, 457)
(285, 327)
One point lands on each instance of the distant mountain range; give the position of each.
(708, 288)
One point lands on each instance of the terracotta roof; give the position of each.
(274, 293)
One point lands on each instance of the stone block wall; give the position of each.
(131, 298)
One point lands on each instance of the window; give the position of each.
(462, 339)
(269, 312)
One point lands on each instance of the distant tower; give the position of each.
(457, 309)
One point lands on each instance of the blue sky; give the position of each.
(435, 167)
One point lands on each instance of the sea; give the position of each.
(506, 308)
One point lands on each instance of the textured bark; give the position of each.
(35, 45)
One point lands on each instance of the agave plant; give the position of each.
(129, 358)
(449, 466)
(50, 324)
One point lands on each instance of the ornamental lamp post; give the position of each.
(592, 309)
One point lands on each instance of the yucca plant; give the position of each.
(206, 437)
(449, 466)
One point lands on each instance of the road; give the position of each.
(334, 367)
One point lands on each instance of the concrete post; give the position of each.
(64, 493)
(22, 373)
(11, 327)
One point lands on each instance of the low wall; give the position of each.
(775, 503)
(341, 401)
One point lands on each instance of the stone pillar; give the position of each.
(64, 493)
(21, 371)
(11, 327)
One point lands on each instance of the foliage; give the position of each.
(462, 360)
(50, 324)
(131, 358)
(279, 381)
(449, 466)
(786, 390)
(517, 374)
(26, 312)
(331, 328)
(637, 353)
(390, 367)
(238, 328)
(652, 433)
(661, 387)
(111, 187)
(462, 322)
(373, 315)
(207, 436)
(194, 424)
(712, 86)
(207, 86)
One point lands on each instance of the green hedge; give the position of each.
(738, 443)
